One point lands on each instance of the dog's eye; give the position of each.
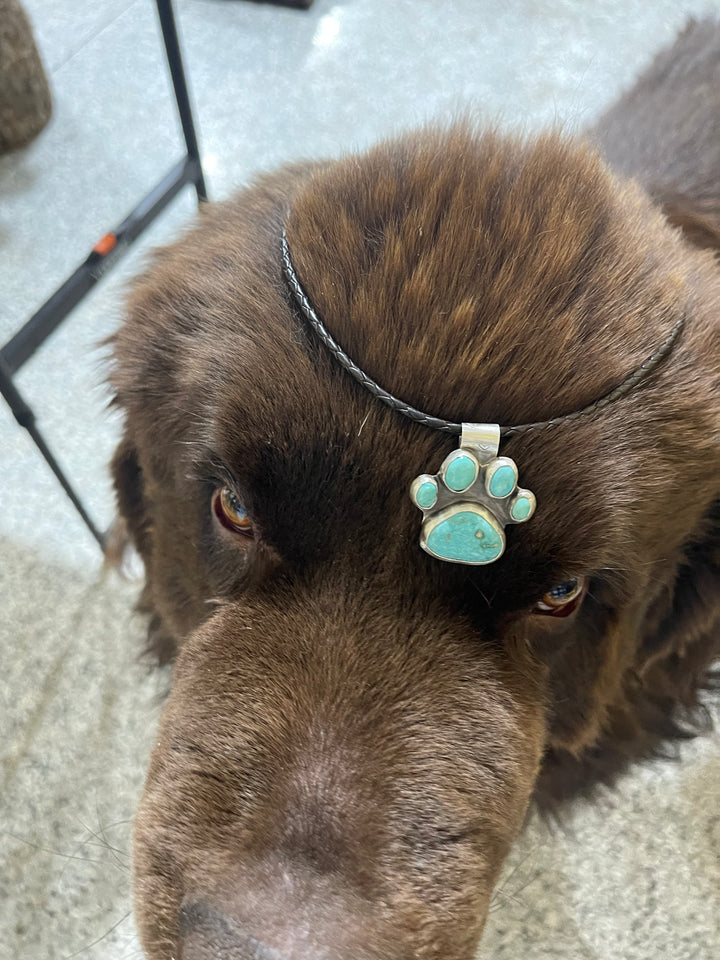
(563, 599)
(231, 513)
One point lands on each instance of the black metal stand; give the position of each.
(104, 254)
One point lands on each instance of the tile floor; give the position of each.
(635, 878)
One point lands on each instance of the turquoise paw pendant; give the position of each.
(467, 505)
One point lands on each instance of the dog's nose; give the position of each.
(205, 934)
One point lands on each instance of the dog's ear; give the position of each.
(699, 220)
(134, 526)
(681, 631)
(128, 480)
(658, 703)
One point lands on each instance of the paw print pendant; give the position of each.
(467, 505)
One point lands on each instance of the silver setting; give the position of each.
(480, 442)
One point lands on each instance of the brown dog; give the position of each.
(356, 728)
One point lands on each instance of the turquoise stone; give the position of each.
(461, 472)
(502, 481)
(426, 494)
(466, 536)
(520, 510)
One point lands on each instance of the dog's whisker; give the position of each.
(501, 890)
(99, 839)
(56, 853)
(99, 939)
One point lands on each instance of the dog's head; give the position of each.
(355, 729)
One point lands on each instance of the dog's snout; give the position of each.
(289, 792)
(206, 934)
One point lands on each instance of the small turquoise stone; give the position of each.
(426, 495)
(460, 473)
(502, 481)
(520, 510)
(466, 537)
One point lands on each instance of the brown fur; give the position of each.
(355, 730)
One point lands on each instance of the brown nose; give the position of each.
(205, 934)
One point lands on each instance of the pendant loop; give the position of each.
(482, 438)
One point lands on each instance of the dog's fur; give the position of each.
(355, 729)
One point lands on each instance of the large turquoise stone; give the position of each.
(465, 535)
(502, 481)
(461, 472)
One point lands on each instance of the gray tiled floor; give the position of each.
(635, 878)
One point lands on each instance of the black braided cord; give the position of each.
(628, 384)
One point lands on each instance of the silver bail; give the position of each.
(483, 439)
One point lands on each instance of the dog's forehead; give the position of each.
(484, 278)
(478, 279)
